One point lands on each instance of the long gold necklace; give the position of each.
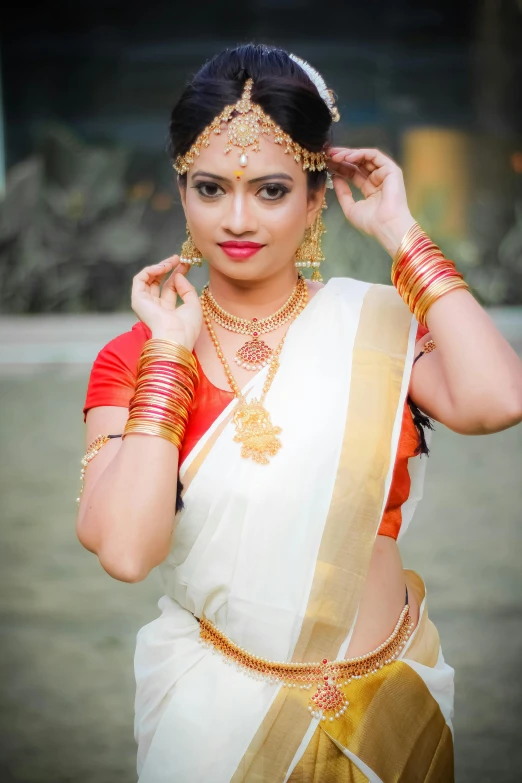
(254, 430)
(255, 353)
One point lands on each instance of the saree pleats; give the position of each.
(394, 728)
(324, 762)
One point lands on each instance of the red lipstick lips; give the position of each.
(240, 249)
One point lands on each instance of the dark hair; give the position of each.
(281, 87)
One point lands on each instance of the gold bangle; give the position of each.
(154, 409)
(154, 429)
(411, 236)
(422, 308)
(164, 394)
(151, 408)
(426, 275)
(438, 272)
(439, 285)
(169, 391)
(169, 349)
(414, 273)
(149, 360)
(151, 424)
(148, 368)
(416, 266)
(166, 380)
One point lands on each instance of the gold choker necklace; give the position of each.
(255, 353)
(254, 430)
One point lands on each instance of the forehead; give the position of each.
(271, 158)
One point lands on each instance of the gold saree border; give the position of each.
(198, 460)
(396, 696)
(378, 363)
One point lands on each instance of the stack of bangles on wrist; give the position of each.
(165, 389)
(421, 273)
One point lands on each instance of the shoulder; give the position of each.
(379, 307)
(125, 349)
(113, 374)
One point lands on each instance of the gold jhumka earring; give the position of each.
(310, 252)
(189, 253)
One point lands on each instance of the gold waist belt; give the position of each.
(329, 677)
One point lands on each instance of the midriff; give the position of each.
(382, 599)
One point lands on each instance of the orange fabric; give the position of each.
(112, 382)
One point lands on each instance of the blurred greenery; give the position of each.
(74, 229)
(78, 222)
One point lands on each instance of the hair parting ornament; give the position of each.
(250, 123)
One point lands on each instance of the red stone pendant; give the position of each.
(330, 702)
(254, 354)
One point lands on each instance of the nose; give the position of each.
(240, 217)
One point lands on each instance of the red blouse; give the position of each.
(113, 379)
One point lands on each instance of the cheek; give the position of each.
(203, 216)
(287, 224)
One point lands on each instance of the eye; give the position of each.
(208, 189)
(275, 191)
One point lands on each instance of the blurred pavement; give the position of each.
(68, 629)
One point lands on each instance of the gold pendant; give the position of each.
(256, 432)
(254, 354)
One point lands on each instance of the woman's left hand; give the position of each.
(383, 212)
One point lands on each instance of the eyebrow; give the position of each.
(277, 175)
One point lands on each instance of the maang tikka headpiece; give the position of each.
(244, 130)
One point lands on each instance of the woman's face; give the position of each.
(266, 202)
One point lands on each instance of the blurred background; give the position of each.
(87, 197)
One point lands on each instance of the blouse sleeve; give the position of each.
(421, 331)
(113, 374)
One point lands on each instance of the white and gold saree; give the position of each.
(277, 555)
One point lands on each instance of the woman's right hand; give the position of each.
(157, 309)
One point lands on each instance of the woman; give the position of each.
(293, 411)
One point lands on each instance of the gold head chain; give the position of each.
(245, 130)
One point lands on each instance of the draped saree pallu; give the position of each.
(274, 558)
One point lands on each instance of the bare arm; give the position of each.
(472, 382)
(127, 508)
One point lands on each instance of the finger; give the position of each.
(344, 194)
(336, 150)
(186, 290)
(148, 280)
(348, 157)
(356, 174)
(378, 176)
(149, 273)
(374, 156)
(345, 168)
(168, 291)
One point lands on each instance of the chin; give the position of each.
(250, 269)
